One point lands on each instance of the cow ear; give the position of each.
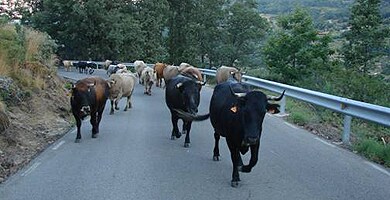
(273, 108)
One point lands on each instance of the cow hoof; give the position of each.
(234, 184)
(216, 158)
(186, 145)
(184, 132)
(78, 140)
(245, 169)
(116, 108)
(178, 135)
(112, 112)
(173, 137)
(94, 135)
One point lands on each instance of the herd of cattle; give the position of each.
(236, 111)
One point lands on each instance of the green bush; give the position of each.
(374, 150)
(299, 118)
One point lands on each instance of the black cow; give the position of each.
(237, 113)
(85, 67)
(182, 94)
(89, 96)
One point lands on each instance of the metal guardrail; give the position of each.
(350, 108)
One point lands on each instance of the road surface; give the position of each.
(134, 158)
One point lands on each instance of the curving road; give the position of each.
(134, 158)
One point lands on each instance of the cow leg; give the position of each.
(112, 107)
(127, 103)
(130, 105)
(175, 131)
(235, 156)
(93, 123)
(99, 118)
(253, 160)
(116, 103)
(187, 139)
(78, 136)
(216, 146)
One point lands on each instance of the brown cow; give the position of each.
(158, 69)
(89, 96)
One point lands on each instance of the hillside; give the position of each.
(34, 107)
(327, 14)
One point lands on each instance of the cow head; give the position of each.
(81, 98)
(190, 95)
(251, 108)
(237, 75)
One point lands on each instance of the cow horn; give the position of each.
(237, 94)
(201, 82)
(179, 85)
(277, 98)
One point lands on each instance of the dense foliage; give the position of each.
(365, 37)
(295, 52)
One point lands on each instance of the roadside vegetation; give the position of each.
(34, 109)
(334, 50)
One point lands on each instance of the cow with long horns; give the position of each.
(89, 96)
(237, 113)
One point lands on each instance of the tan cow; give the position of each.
(139, 66)
(224, 72)
(169, 72)
(147, 78)
(67, 65)
(193, 71)
(121, 85)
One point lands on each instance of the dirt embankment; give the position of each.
(35, 120)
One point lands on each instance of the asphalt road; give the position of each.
(134, 158)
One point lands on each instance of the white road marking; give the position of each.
(31, 169)
(273, 152)
(58, 145)
(290, 125)
(324, 142)
(378, 168)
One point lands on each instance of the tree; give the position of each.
(243, 29)
(153, 16)
(180, 33)
(208, 17)
(295, 51)
(365, 37)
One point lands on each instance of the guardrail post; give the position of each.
(283, 106)
(347, 129)
(204, 77)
